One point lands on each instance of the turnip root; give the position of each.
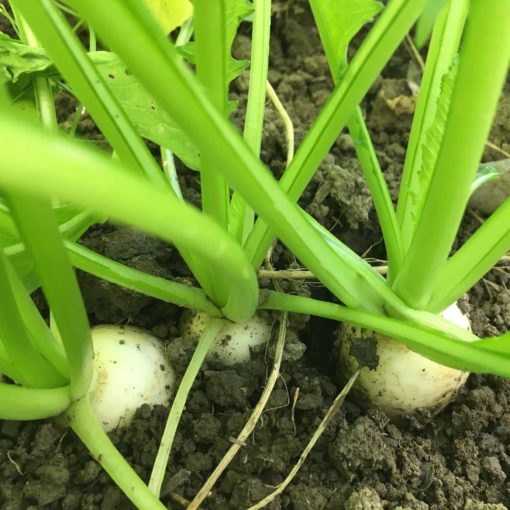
(396, 379)
(130, 370)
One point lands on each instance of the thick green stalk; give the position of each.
(212, 329)
(241, 217)
(130, 278)
(90, 186)
(363, 146)
(392, 305)
(167, 158)
(261, 31)
(379, 190)
(69, 56)
(476, 257)
(7, 366)
(32, 369)
(473, 355)
(425, 24)
(85, 425)
(443, 49)
(18, 403)
(482, 66)
(40, 335)
(39, 231)
(381, 42)
(211, 55)
(345, 277)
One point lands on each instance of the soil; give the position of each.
(459, 459)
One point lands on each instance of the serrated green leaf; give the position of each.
(340, 21)
(17, 59)
(151, 121)
(234, 67)
(235, 12)
(432, 141)
(170, 13)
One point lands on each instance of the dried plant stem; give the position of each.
(494, 147)
(332, 411)
(414, 52)
(287, 121)
(252, 421)
(179, 499)
(301, 274)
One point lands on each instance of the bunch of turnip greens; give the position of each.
(53, 187)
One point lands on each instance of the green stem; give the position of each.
(42, 88)
(379, 190)
(439, 346)
(167, 157)
(212, 329)
(14, 25)
(365, 151)
(231, 154)
(130, 278)
(476, 257)
(34, 371)
(7, 367)
(443, 49)
(261, 31)
(242, 222)
(482, 67)
(211, 55)
(85, 425)
(92, 39)
(68, 54)
(71, 229)
(90, 186)
(40, 335)
(209, 23)
(39, 231)
(168, 162)
(185, 33)
(80, 110)
(381, 42)
(18, 403)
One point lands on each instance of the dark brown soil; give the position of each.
(459, 459)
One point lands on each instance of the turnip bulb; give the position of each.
(131, 369)
(235, 341)
(394, 378)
